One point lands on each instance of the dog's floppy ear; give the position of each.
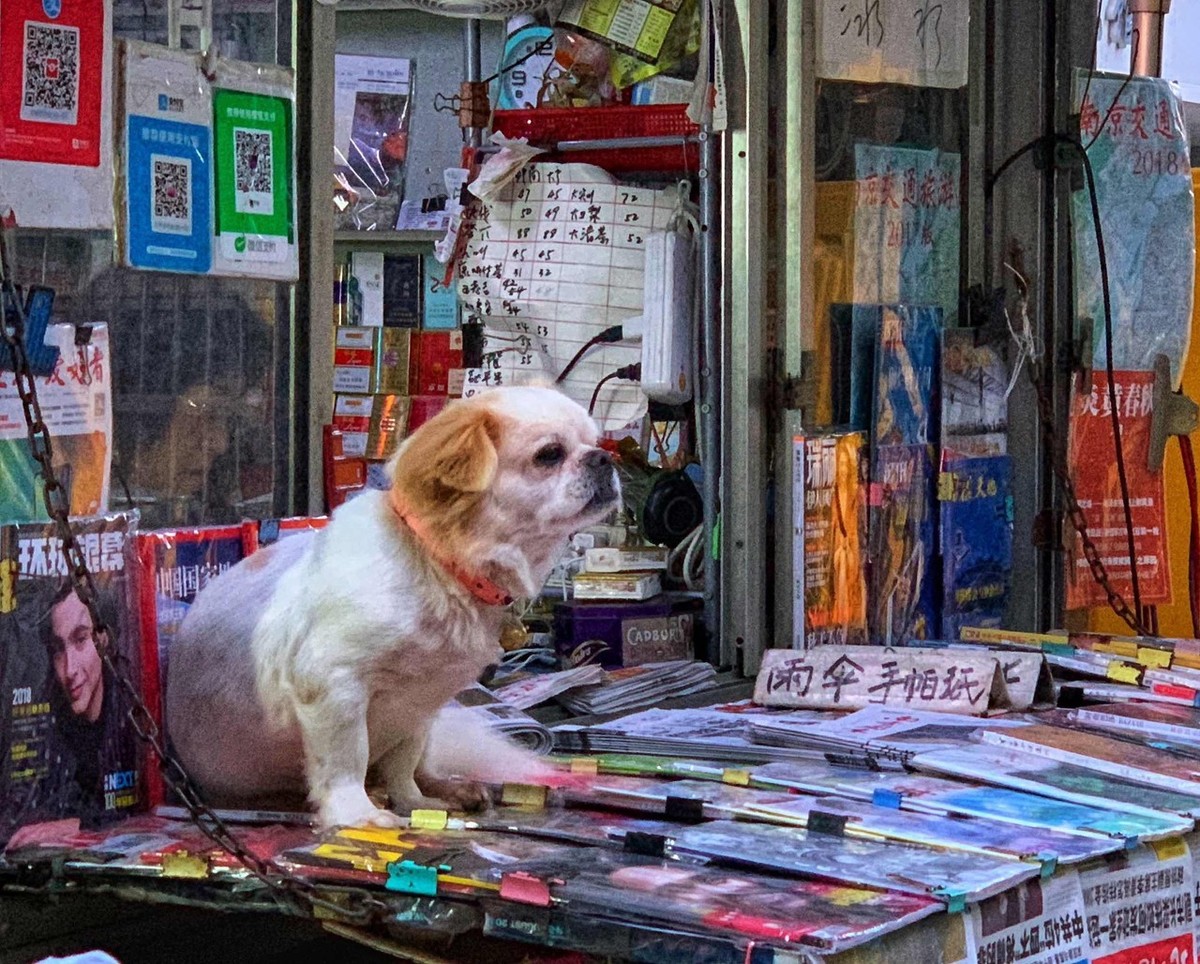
(453, 451)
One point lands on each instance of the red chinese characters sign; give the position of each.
(1098, 488)
(51, 62)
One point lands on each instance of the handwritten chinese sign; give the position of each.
(1097, 486)
(553, 260)
(918, 42)
(855, 677)
(1138, 146)
(907, 218)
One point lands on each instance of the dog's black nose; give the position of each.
(597, 460)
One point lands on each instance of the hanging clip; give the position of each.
(446, 105)
(524, 888)
(410, 877)
(1173, 414)
(475, 107)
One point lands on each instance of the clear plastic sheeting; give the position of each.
(1137, 143)
(372, 108)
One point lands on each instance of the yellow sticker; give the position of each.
(184, 865)
(1169, 849)
(522, 795)
(428, 819)
(583, 764)
(1154, 657)
(736, 778)
(1120, 672)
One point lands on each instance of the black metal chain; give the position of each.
(300, 894)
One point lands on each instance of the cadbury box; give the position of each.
(615, 634)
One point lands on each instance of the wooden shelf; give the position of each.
(387, 239)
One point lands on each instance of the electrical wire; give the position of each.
(632, 373)
(1189, 473)
(1118, 443)
(1047, 143)
(606, 337)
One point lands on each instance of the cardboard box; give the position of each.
(352, 417)
(354, 360)
(432, 355)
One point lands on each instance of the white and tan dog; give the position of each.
(327, 654)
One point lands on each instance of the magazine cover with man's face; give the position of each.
(70, 750)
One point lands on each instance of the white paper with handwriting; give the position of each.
(555, 258)
(918, 42)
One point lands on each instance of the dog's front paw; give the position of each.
(466, 795)
(355, 810)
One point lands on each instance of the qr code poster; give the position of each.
(52, 52)
(170, 194)
(168, 217)
(255, 223)
(167, 161)
(252, 172)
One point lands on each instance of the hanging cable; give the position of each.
(1189, 474)
(1047, 143)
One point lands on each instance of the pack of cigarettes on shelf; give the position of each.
(616, 585)
(640, 559)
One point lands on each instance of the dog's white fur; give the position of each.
(326, 654)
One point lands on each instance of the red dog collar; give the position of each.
(482, 588)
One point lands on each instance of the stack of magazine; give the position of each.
(885, 736)
(518, 726)
(626, 690)
(713, 734)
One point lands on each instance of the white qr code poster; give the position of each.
(56, 109)
(50, 74)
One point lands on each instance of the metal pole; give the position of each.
(710, 387)
(473, 54)
(1148, 17)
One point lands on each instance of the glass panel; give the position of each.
(194, 363)
(196, 360)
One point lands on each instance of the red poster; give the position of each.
(1094, 470)
(51, 72)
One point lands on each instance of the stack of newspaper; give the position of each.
(718, 734)
(626, 690)
(881, 734)
(535, 688)
(519, 727)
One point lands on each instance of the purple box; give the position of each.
(616, 634)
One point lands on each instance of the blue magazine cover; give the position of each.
(906, 369)
(855, 336)
(901, 596)
(975, 494)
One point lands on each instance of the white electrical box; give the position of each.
(668, 317)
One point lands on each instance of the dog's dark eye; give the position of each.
(549, 456)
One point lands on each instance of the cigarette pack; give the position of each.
(639, 559)
(354, 360)
(402, 282)
(636, 586)
(392, 361)
(432, 355)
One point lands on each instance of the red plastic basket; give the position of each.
(547, 126)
